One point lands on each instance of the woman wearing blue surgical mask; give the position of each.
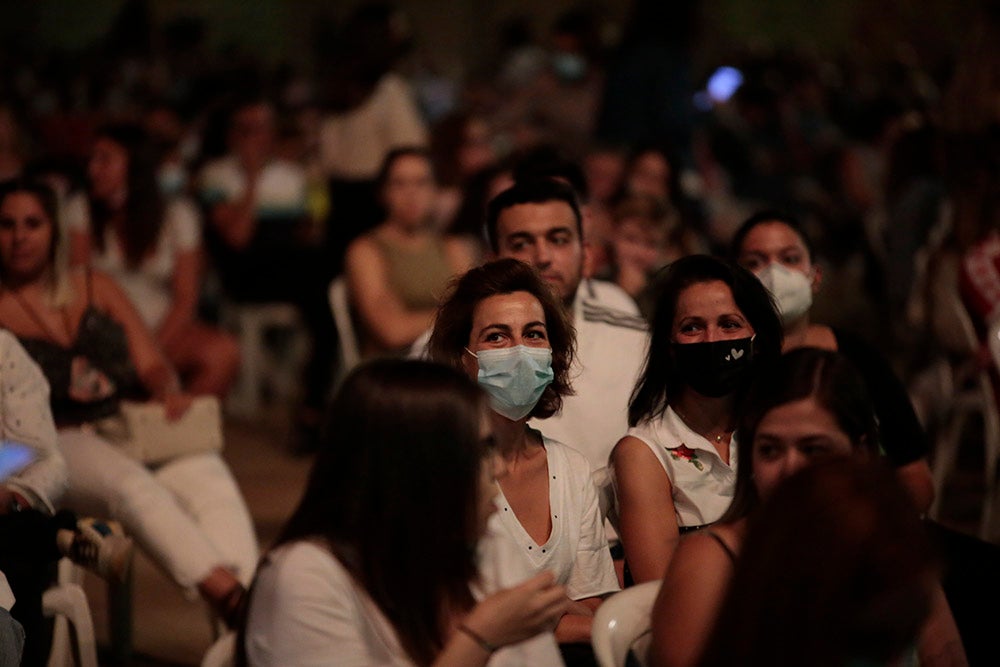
(504, 327)
(675, 470)
(775, 247)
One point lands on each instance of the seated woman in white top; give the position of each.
(378, 565)
(714, 323)
(503, 325)
(152, 247)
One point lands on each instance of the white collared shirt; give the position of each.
(702, 482)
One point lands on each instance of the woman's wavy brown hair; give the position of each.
(453, 322)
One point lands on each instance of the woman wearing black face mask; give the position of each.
(676, 469)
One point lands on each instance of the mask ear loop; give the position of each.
(471, 352)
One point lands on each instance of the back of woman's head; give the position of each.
(831, 380)
(835, 569)
(394, 490)
(453, 322)
(660, 382)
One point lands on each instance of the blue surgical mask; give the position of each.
(514, 378)
(569, 67)
(172, 179)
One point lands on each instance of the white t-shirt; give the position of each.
(353, 144)
(702, 483)
(577, 549)
(611, 344)
(149, 286)
(307, 610)
(281, 187)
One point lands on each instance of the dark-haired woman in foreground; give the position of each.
(676, 468)
(378, 565)
(849, 582)
(811, 405)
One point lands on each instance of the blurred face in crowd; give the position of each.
(603, 171)
(792, 436)
(546, 236)
(639, 243)
(26, 236)
(649, 174)
(409, 190)
(706, 312)
(108, 170)
(252, 135)
(776, 242)
(476, 152)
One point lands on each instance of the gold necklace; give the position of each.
(718, 438)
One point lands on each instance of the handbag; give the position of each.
(141, 430)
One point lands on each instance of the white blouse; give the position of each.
(307, 610)
(577, 549)
(150, 285)
(702, 482)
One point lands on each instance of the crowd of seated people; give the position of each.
(626, 350)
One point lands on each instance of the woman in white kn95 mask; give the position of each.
(775, 247)
(504, 327)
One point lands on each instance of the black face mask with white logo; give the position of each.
(715, 369)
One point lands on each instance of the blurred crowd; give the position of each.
(883, 161)
(190, 183)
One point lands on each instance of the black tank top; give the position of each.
(102, 342)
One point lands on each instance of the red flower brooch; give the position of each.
(685, 453)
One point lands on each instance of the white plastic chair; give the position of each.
(73, 633)
(221, 653)
(258, 364)
(622, 622)
(340, 304)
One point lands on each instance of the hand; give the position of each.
(515, 614)
(176, 404)
(579, 609)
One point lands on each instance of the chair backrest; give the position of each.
(340, 304)
(621, 621)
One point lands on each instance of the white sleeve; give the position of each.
(593, 570)
(76, 213)
(404, 125)
(185, 225)
(304, 612)
(26, 417)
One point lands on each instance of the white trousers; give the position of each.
(188, 515)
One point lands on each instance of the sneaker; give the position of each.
(99, 546)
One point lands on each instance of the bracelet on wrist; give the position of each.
(478, 638)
